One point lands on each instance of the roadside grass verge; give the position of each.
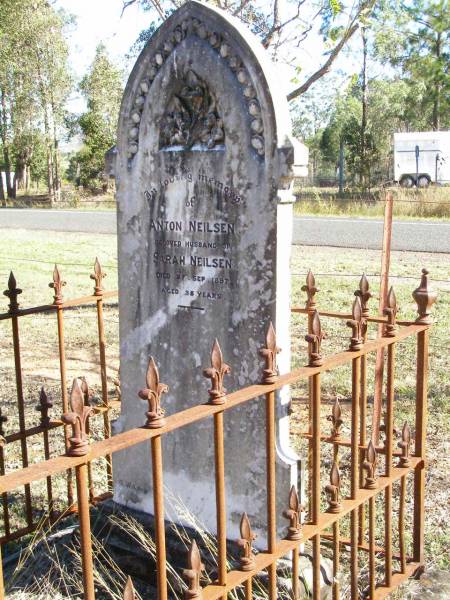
(432, 203)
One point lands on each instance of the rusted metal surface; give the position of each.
(365, 483)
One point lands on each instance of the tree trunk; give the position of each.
(2, 191)
(437, 89)
(362, 157)
(10, 188)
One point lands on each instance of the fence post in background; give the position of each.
(315, 360)
(384, 285)
(12, 293)
(311, 291)
(155, 420)
(45, 404)
(79, 446)
(57, 284)
(425, 298)
(217, 396)
(98, 277)
(270, 375)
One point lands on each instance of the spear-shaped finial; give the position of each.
(45, 404)
(364, 294)
(405, 445)
(216, 372)
(245, 543)
(425, 297)
(78, 419)
(311, 290)
(57, 284)
(98, 275)
(12, 292)
(391, 312)
(370, 466)
(152, 393)
(356, 323)
(270, 373)
(333, 490)
(315, 340)
(128, 590)
(293, 513)
(193, 572)
(336, 419)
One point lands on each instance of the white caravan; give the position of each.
(421, 158)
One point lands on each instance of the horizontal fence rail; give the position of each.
(373, 472)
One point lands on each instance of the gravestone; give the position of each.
(204, 170)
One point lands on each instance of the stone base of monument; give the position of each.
(130, 547)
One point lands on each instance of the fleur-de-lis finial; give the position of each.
(294, 515)
(57, 285)
(315, 339)
(333, 489)
(425, 297)
(98, 275)
(270, 373)
(216, 372)
(128, 590)
(391, 312)
(152, 393)
(336, 420)
(78, 419)
(405, 445)
(193, 572)
(247, 558)
(12, 292)
(370, 466)
(364, 295)
(356, 323)
(45, 404)
(311, 290)
(3, 420)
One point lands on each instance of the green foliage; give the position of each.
(102, 87)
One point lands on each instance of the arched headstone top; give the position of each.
(192, 117)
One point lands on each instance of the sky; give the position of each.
(102, 21)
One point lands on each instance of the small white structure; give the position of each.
(421, 158)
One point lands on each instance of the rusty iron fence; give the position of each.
(26, 434)
(327, 507)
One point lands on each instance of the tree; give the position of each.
(283, 27)
(34, 86)
(102, 87)
(415, 38)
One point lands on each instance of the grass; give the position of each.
(31, 256)
(432, 203)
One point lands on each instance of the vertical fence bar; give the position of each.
(2, 582)
(158, 501)
(219, 457)
(5, 507)
(85, 532)
(425, 298)
(271, 497)
(372, 579)
(98, 276)
(315, 387)
(420, 444)
(57, 284)
(388, 466)
(43, 407)
(401, 524)
(12, 293)
(336, 560)
(356, 371)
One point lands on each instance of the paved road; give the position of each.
(425, 236)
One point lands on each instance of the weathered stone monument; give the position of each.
(204, 169)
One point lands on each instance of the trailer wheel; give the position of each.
(423, 181)
(407, 181)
